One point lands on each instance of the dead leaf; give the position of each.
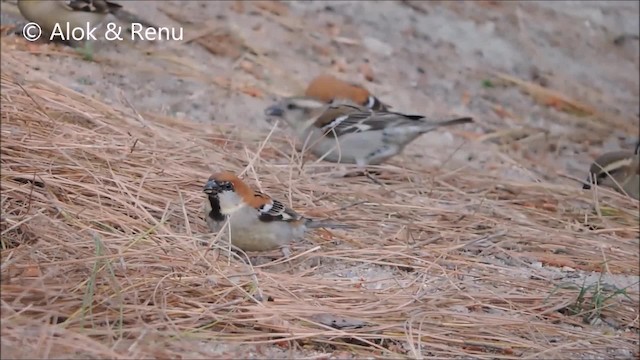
(252, 91)
(161, 354)
(32, 271)
(222, 82)
(333, 30)
(410, 32)
(246, 66)
(366, 71)
(269, 153)
(469, 135)
(342, 355)
(325, 234)
(339, 65)
(6, 28)
(321, 50)
(274, 7)
(237, 7)
(224, 44)
(501, 112)
(466, 98)
(556, 260)
(346, 41)
(414, 5)
(249, 67)
(284, 344)
(488, 3)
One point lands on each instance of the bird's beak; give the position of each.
(211, 187)
(274, 110)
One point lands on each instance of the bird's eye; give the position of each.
(227, 186)
(291, 106)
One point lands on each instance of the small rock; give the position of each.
(377, 46)
(459, 309)
(337, 321)
(624, 353)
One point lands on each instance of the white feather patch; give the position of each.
(308, 103)
(266, 207)
(371, 102)
(363, 126)
(287, 217)
(334, 123)
(617, 165)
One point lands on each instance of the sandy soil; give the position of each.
(436, 58)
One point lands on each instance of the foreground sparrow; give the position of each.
(619, 170)
(328, 89)
(257, 222)
(350, 135)
(77, 13)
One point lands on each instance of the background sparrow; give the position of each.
(348, 134)
(619, 170)
(77, 13)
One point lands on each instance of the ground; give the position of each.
(550, 86)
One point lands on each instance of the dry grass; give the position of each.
(101, 221)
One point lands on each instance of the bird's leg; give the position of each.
(341, 171)
(361, 170)
(286, 252)
(364, 170)
(370, 176)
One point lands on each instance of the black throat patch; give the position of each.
(215, 213)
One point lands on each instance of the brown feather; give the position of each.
(242, 189)
(327, 88)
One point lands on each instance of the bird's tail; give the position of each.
(129, 18)
(427, 125)
(457, 121)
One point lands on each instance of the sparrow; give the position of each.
(619, 170)
(347, 134)
(257, 222)
(77, 13)
(328, 89)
